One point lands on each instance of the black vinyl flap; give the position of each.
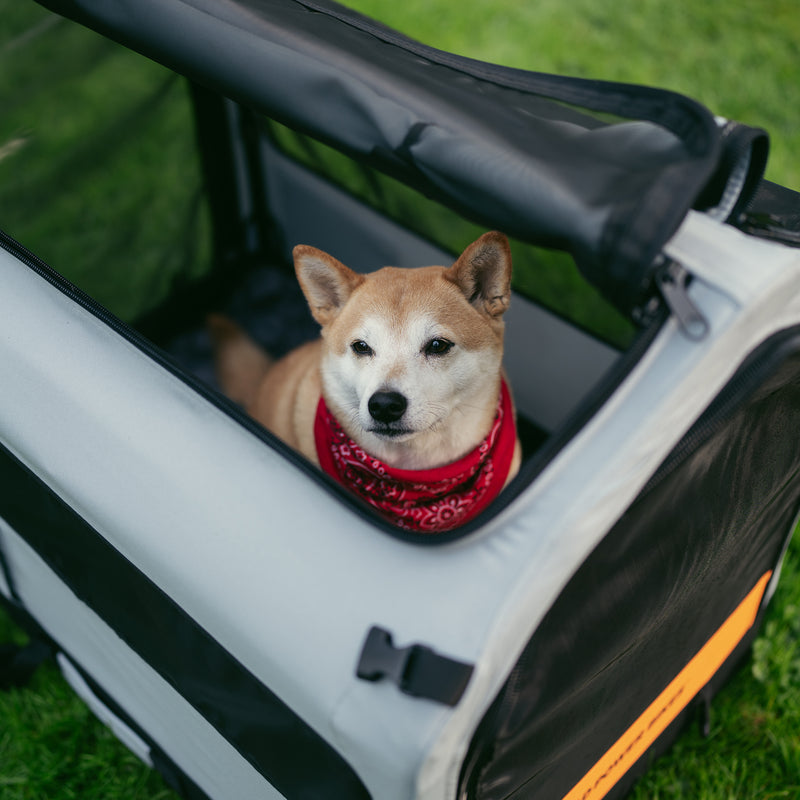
(606, 171)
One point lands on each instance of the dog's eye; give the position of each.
(437, 347)
(361, 348)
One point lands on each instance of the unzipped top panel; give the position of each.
(605, 171)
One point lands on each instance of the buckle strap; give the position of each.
(417, 670)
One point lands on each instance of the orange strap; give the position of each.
(627, 750)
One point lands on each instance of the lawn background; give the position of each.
(742, 60)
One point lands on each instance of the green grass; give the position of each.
(53, 748)
(98, 173)
(740, 59)
(71, 156)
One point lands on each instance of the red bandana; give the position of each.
(430, 500)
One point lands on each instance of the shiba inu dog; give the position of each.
(402, 398)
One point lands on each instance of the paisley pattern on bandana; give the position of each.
(424, 501)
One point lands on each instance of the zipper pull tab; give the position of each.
(672, 282)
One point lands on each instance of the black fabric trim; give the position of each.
(18, 663)
(278, 743)
(773, 213)
(778, 201)
(738, 142)
(7, 576)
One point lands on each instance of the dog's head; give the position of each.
(412, 357)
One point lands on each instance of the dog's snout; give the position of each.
(387, 406)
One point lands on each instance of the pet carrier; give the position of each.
(250, 628)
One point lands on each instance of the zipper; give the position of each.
(670, 290)
(672, 281)
(742, 161)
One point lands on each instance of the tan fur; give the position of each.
(402, 316)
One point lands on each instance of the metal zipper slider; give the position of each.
(672, 281)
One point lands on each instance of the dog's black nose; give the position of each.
(387, 406)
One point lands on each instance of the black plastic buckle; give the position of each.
(417, 670)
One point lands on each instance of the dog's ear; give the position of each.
(326, 282)
(483, 273)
